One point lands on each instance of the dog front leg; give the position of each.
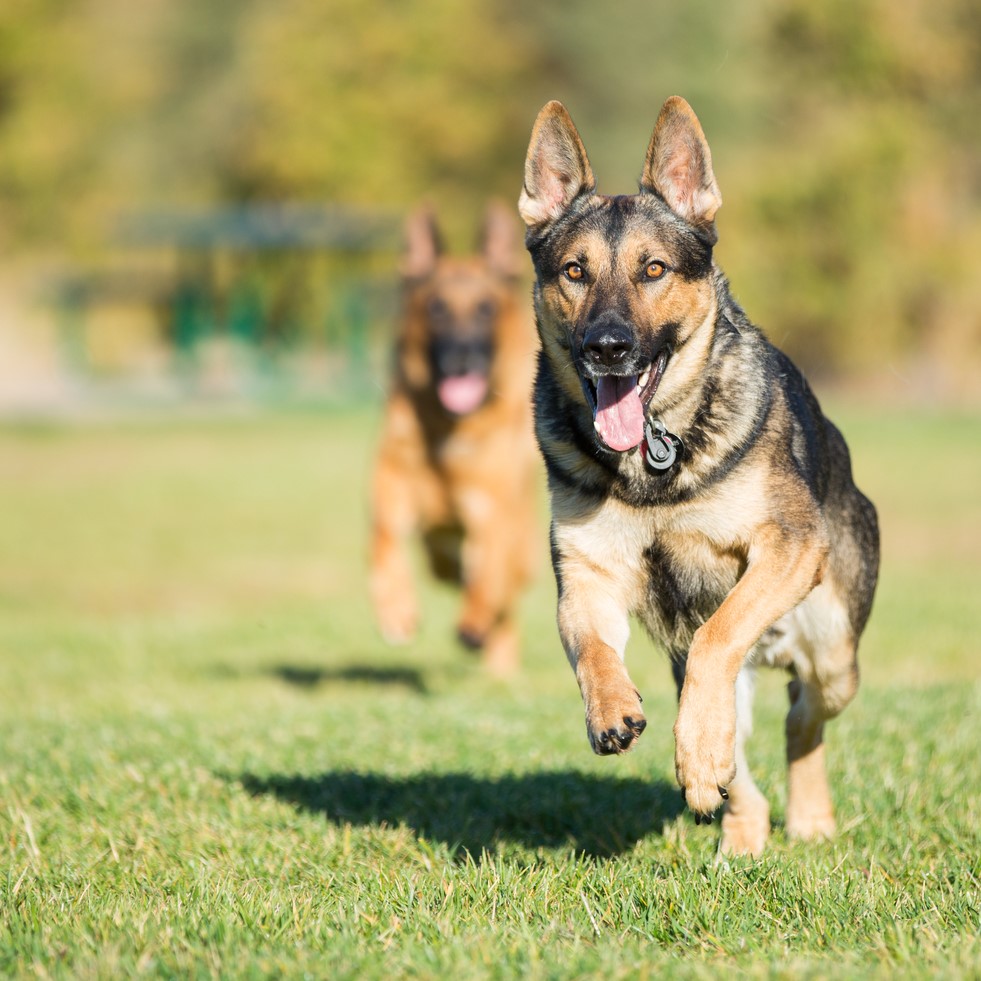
(780, 573)
(394, 518)
(594, 627)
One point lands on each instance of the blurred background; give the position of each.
(201, 208)
(205, 200)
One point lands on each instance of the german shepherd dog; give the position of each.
(694, 480)
(457, 460)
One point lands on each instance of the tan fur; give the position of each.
(467, 483)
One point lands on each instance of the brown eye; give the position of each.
(573, 271)
(655, 270)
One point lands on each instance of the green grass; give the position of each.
(211, 766)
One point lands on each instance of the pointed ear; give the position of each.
(499, 239)
(557, 170)
(422, 243)
(678, 166)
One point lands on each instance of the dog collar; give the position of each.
(662, 448)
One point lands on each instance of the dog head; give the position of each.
(625, 294)
(456, 308)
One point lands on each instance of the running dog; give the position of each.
(694, 481)
(457, 459)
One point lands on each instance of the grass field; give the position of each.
(211, 766)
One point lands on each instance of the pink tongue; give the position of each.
(462, 393)
(619, 412)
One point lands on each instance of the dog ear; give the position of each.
(499, 241)
(423, 244)
(557, 170)
(678, 166)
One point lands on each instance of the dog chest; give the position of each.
(687, 579)
(670, 567)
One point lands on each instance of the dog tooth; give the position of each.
(596, 426)
(644, 378)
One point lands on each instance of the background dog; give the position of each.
(457, 460)
(694, 480)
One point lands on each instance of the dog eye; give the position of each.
(573, 271)
(483, 313)
(655, 270)
(438, 309)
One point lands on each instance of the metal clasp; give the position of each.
(662, 447)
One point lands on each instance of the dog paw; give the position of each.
(397, 623)
(810, 827)
(501, 655)
(704, 760)
(472, 640)
(615, 722)
(476, 624)
(744, 834)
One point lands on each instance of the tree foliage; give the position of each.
(866, 197)
(845, 134)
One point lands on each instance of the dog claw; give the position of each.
(472, 640)
(609, 743)
(723, 793)
(618, 739)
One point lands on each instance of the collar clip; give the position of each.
(661, 448)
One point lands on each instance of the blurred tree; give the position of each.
(615, 66)
(862, 196)
(106, 104)
(405, 100)
(846, 134)
(74, 76)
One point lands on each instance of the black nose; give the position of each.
(608, 342)
(461, 355)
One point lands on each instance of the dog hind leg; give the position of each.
(826, 681)
(746, 814)
(810, 813)
(821, 690)
(494, 573)
(501, 653)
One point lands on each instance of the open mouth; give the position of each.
(462, 394)
(619, 403)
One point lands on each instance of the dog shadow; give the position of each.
(594, 816)
(312, 677)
